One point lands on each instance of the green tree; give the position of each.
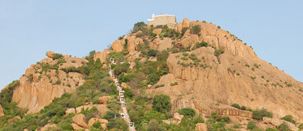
(161, 103)
(251, 125)
(153, 125)
(195, 29)
(259, 114)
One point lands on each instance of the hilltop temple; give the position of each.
(169, 20)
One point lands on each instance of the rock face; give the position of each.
(102, 55)
(236, 76)
(80, 119)
(103, 99)
(201, 127)
(117, 46)
(1, 111)
(41, 84)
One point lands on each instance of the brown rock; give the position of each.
(124, 85)
(50, 54)
(177, 117)
(102, 55)
(76, 127)
(201, 127)
(47, 126)
(103, 99)
(132, 43)
(35, 90)
(10, 121)
(1, 111)
(189, 40)
(93, 120)
(80, 119)
(70, 111)
(179, 27)
(117, 46)
(185, 23)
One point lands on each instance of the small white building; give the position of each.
(169, 20)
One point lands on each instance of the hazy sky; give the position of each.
(30, 28)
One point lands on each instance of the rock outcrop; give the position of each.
(102, 108)
(104, 99)
(102, 55)
(1, 111)
(50, 54)
(117, 46)
(80, 120)
(47, 127)
(45, 81)
(201, 127)
(236, 76)
(124, 85)
(103, 122)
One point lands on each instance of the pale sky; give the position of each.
(30, 28)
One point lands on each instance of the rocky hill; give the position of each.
(205, 77)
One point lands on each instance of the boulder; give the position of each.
(102, 55)
(50, 54)
(76, 127)
(93, 120)
(80, 119)
(185, 23)
(189, 40)
(124, 85)
(47, 126)
(1, 111)
(177, 117)
(179, 27)
(201, 127)
(70, 111)
(132, 43)
(103, 99)
(10, 121)
(117, 46)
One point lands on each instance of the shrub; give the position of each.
(162, 56)
(153, 125)
(236, 106)
(283, 127)
(259, 114)
(251, 125)
(121, 68)
(152, 52)
(118, 124)
(187, 112)
(153, 78)
(195, 29)
(183, 31)
(161, 103)
(236, 126)
(160, 85)
(289, 118)
(198, 45)
(128, 93)
(173, 84)
(218, 52)
(300, 126)
(97, 125)
(110, 115)
(271, 129)
(57, 56)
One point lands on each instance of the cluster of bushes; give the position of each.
(238, 106)
(259, 114)
(81, 69)
(217, 122)
(198, 45)
(289, 118)
(168, 32)
(195, 29)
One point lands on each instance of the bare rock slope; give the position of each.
(44, 81)
(212, 78)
